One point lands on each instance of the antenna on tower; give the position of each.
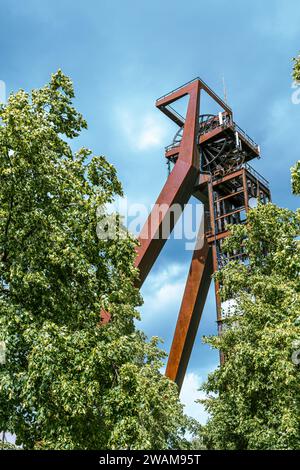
(224, 89)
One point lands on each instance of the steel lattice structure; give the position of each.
(209, 157)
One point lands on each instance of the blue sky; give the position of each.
(122, 55)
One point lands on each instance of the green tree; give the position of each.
(254, 397)
(296, 178)
(296, 69)
(68, 382)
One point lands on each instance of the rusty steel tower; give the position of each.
(209, 155)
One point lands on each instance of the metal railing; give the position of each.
(246, 136)
(178, 88)
(257, 175)
(173, 111)
(226, 123)
(204, 84)
(172, 145)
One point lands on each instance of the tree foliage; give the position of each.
(296, 69)
(296, 178)
(254, 397)
(69, 383)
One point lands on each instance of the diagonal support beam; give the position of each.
(178, 187)
(194, 297)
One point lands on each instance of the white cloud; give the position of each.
(190, 393)
(162, 293)
(168, 274)
(166, 297)
(141, 131)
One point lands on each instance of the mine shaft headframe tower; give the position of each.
(210, 155)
